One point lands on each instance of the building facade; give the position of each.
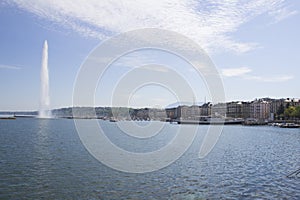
(238, 109)
(260, 110)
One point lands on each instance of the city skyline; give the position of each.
(253, 45)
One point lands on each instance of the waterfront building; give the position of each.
(193, 112)
(172, 113)
(219, 110)
(238, 109)
(189, 112)
(260, 109)
(206, 109)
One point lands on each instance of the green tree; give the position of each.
(290, 112)
(297, 112)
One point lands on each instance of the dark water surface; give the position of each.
(45, 159)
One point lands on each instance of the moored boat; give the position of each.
(289, 125)
(113, 120)
(7, 117)
(212, 121)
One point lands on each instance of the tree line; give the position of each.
(290, 112)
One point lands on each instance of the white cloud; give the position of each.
(235, 71)
(158, 68)
(272, 79)
(209, 23)
(281, 14)
(9, 67)
(135, 59)
(245, 73)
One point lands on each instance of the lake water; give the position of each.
(46, 159)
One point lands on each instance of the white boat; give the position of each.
(7, 117)
(212, 121)
(289, 125)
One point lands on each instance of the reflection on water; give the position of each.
(45, 159)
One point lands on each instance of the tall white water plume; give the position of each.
(44, 110)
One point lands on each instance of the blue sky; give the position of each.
(254, 45)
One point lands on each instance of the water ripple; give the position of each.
(45, 159)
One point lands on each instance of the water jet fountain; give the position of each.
(44, 109)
